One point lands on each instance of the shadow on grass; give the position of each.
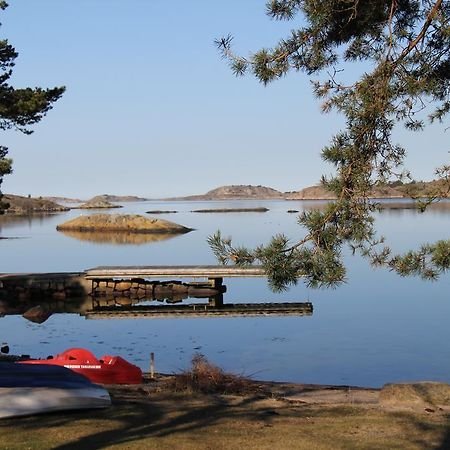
(445, 445)
(161, 416)
(127, 421)
(425, 427)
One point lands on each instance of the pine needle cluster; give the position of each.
(406, 46)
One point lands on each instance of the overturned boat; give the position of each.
(34, 389)
(106, 370)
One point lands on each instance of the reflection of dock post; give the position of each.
(216, 282)
(94, 285)
(216, 301)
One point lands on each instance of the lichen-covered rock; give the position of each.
(119, 223)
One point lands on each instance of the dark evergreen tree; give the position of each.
(405, 46)
(19, 108)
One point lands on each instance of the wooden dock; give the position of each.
(124, 272)
(118, 287)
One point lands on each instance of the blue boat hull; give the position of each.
(27, 390)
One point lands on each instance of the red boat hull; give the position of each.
(106, 370)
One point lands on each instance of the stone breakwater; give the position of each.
(24, 287)
(68, 286)
(153, 290)
(37, 296)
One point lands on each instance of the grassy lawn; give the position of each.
(147, 420)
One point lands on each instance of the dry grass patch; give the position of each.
(198, 421)
(186, 412)
(419, 396)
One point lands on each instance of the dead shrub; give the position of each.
(205, 377)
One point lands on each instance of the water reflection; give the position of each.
(13, 220)
(387, 206)
(133, 307)
(128, 309)
(401, 208)
(117, 238)
(39, 312)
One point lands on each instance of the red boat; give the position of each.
(106, 370)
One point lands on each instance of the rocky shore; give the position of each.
(320, 193)
(28, 205)
(397, 190)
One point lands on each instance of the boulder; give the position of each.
(37, 314)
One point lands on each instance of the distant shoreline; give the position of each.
(402, 193)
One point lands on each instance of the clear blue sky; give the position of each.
(152, 110)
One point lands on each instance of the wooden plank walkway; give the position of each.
(173, 271)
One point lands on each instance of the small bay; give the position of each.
(374, 329)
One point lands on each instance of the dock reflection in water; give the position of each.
(126, 308)
(114, 307)
(37, 296)
(134, 297)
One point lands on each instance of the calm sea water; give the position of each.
(376, 328)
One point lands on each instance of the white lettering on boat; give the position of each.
(81, 366)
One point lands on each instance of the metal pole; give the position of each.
(152, 365)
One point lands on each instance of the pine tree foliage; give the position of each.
(405, 46)
(19, 108)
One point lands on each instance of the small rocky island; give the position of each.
(97, 204)
(230, 210)
(319, 192)
(122, 223)
(117, 198)
(161, 211)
